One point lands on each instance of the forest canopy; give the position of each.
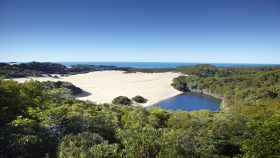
(38, 121)
(243, 90)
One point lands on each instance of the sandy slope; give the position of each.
(103, 87)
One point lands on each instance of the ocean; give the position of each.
(156, 64)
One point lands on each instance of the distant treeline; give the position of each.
(150, 70)
(207, 70)
(203, 70)
(37, 69)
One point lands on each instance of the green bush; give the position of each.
(121, 100)
(139, 99)
(49, 85)
(86, 144)
(180, 84)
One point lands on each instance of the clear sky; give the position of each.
(204, 31)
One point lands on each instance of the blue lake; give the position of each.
(190, 101)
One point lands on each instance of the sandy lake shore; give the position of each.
(103, 87)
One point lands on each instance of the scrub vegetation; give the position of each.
(37, 69)
(37, 121)
(139, 99)
(49, 85)
(121, 100)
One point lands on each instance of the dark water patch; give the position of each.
(190, 101)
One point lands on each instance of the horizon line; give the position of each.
(135, 62)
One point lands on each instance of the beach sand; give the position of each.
(103, 87)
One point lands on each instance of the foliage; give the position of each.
(136, 118)
(36, 121)
(149, 70)
(121, 100)
(255, 89)
(264, 142)
(180, 83)
(85, 145)
(158, 117)
(139, 99)
(140, 142)
(37, 69)
(49, 85)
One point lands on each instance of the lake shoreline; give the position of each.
(223, 101)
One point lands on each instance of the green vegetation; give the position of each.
(255, 92)
(50, 85)
(203, 70)
(180, 84)
(37, 69)
(207, 70)
(75, 69)
(121, 100)
(149, 70)
(86, 144)
(139, 99)
(43, 120)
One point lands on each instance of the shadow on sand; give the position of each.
(83, 94)
(146, 100)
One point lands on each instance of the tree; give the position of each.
(85, 145)
(137, 118)
(158, 117)
(141, 142)
(265, 140)
(180, 83)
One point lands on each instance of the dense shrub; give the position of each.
(62, 84)
(139, 99)
(121, 100)
(180, 84)
(85, 144)
(28, 69)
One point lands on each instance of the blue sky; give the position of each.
(204, 31)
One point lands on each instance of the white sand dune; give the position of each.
(103, 87)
